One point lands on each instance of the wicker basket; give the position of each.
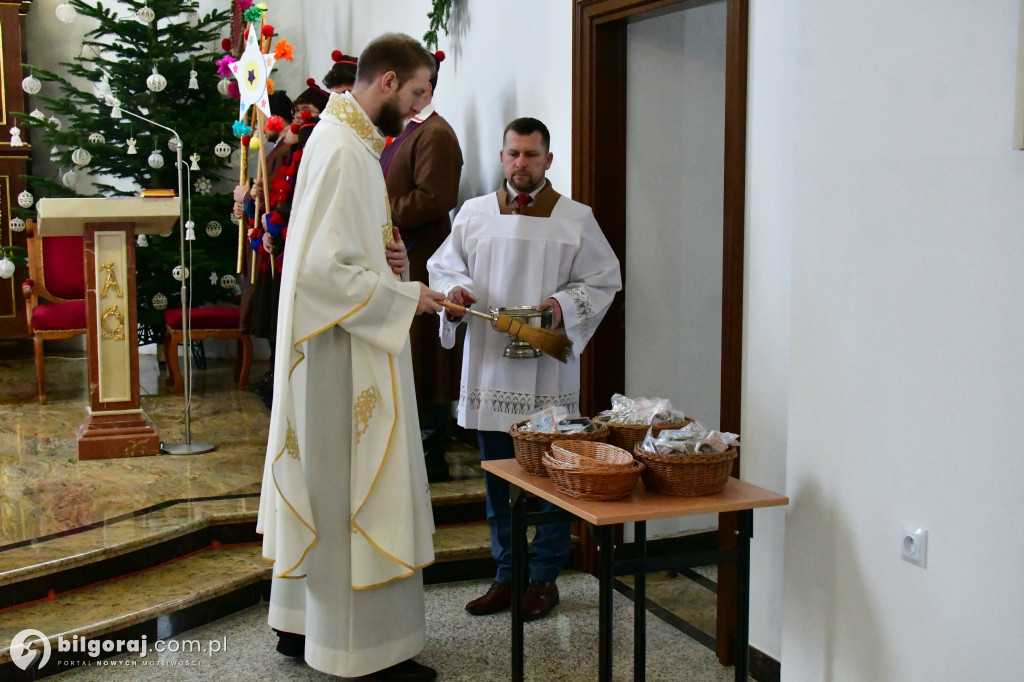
(603, 484)
(531, 446)
(626, 436)
(685, 475)
(587, 454)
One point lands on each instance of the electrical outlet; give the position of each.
(915, 545)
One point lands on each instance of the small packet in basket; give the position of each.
(546, 421)
(637, 410)
(578, 425)
(716, 441)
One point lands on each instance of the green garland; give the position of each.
(438, 16)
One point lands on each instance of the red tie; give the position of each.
(523, 199)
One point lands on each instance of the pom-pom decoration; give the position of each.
(233, 91)
(224, 65)
(246, 140)
(254, 143)
(310, 82)
(283, 50)
(275, 124)
(240, 129)
(253, 15)
(243, 4)
(337, 55)
(267, 30)
(225, 44)
(306, 116)
(295, 128)
(439, 56)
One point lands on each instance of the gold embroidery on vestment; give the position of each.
(291, 442)
(365, 404)
(347, 112)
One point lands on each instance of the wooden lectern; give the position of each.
(116, 426)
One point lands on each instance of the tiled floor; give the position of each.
(462, 648)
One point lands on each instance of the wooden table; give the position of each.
(641, 506)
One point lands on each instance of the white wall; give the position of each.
(674, 185)
(504, 60)
(886, 146)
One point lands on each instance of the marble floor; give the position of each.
(462, 648)
(57, 512)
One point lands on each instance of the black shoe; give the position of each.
(290, 644)
(406, 671)
(265, 382)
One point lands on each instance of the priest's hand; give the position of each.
(462, 297)
(556, 311)
(428, 300)
(398, 257)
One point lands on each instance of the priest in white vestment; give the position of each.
(345, 510)
(522, 245)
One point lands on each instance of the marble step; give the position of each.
(187, 592)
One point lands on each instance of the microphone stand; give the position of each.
(188, 447)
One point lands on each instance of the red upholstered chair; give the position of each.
(56, 270)
(219, 322)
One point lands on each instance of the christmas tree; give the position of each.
(156, 58)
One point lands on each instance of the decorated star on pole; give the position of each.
(251, 71)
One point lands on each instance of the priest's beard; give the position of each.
(390, 120)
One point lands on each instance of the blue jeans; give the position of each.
(552, 543)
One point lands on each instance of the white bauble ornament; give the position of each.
(222, 150)
(159, 302)
(31, 85)
(156, 159)
(222, 86)
(25, 199)
(38, 115)
(142, 241)
(179, 273)
(55, 122)
(228, 281)
(54, 155)
(6, 268)
(155, 82)
(66, 13)
(88, 54)
(69, 179)
(213, 228)
(81, 157)
(17, 225)
(97, 138)
(173, 144)
(145, 15)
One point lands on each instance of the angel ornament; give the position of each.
(131, 146)
(16, 137)
(195, 162)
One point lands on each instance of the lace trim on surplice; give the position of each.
(511, 402)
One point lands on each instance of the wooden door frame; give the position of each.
(598, 180)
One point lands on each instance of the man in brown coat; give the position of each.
(422, 167)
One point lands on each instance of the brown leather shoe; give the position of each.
(539, 599)
(498, 598)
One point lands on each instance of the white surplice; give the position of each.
(505, 259)
(345, 508)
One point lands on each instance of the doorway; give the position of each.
(601, 148)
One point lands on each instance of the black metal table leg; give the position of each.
(605, 577)
(743, 535)
(517, 499)
(640, 604)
